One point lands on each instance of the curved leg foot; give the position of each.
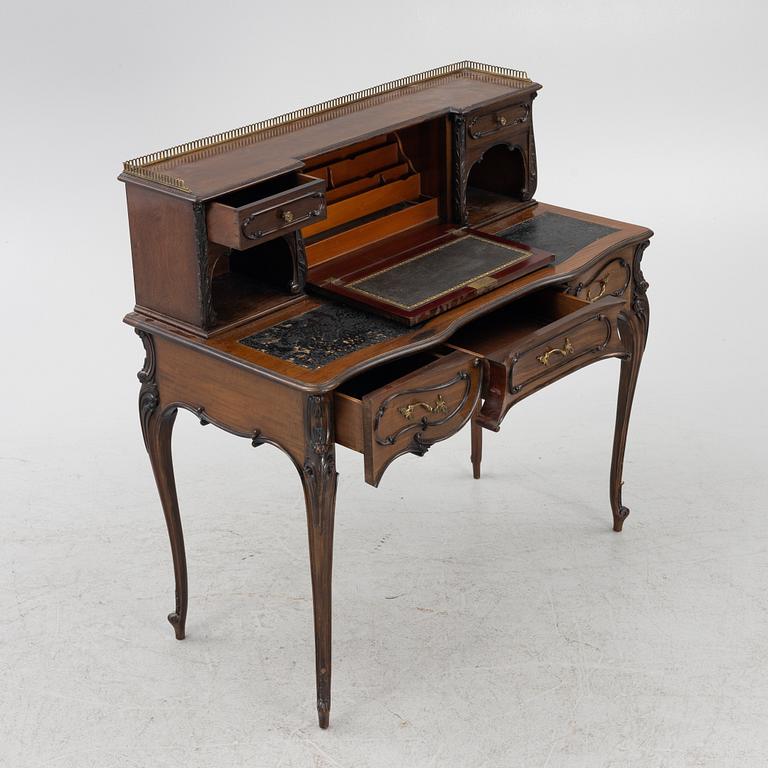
(159, 428)
(319, 479)
(633, 333)
(477, 448)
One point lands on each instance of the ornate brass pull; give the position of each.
(565, 351)
(603, 285)
(287, 217)
(500, 121)
(440, 406)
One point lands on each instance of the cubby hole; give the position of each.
(246, 284)
(496, 183)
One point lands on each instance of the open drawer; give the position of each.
(406, 406)
(273, 208)
(536, 340)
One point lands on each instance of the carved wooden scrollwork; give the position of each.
(205, 268)
(640, 304)
(149, 396)
(459, 170)
(299, 259)
(320, 463)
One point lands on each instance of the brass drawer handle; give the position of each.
(565, 351)
(501, 121)
(603, 285)
(287, 217)
(440, 406)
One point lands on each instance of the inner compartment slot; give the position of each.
(495, 183)
(377, 189)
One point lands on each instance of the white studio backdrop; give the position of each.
(651, 112)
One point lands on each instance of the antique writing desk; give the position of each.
(374, 272)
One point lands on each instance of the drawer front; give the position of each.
(244, 225)
(611, 278)
(498, 122)
(262, 223)
(544, 360)
(414, 412)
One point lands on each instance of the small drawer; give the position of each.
(611, 278)
(499, 121)
(582, 333)
(406, 406)
(254, 215)
(535, 341)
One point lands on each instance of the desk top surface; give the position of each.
(315, 344)
(208, 167)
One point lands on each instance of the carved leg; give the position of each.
(633, 335)
(633, 328)
(160, 428)
(157, 428)
(477, 447)
(319, 480)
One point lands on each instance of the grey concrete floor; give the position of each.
(497, 622)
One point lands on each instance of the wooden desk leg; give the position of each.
(477, 446)
(634, 331)
(157, 428)
(319, 478)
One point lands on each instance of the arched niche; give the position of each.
(495, 182)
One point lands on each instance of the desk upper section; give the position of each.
(205, 168)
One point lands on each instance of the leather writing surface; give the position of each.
(439, 271)
(558, 234)
(322, 335)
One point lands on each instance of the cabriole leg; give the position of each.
(157, 428)
(319, 479)
(633, 335)
(159, 447)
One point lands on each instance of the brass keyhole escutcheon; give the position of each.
(501, 120)
(287, 216)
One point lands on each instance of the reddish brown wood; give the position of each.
(476, 457)
(455, 149)
(157, 428)
(319, 478)
(633, 326)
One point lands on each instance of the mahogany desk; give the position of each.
(239, 240)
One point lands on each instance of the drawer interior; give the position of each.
(246, 197)
(494, 334)
(369, 381)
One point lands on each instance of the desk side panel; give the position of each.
(166, 261)
(237, 400)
